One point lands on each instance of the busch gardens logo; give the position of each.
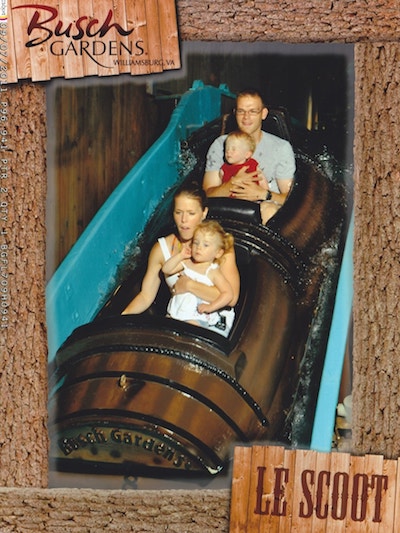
(84, 35)
(114, 37)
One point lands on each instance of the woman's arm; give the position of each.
(230, 270)
(202, 291)
(225, 293)
(150, 285)
(209, 294)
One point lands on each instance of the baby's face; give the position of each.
(206, 247)
(236, 151)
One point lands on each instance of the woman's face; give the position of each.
(188, 214)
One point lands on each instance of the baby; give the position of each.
(239, 148)
(201, 263)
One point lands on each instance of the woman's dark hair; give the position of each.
(193, 190)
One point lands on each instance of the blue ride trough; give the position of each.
(83, 281)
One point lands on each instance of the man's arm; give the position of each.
(212, 180)
(284, 187)
(245, 186)
(213, 186)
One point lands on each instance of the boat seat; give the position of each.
(234, 209)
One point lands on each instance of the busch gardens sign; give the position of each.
(105, 38)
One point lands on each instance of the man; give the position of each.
(274, 155)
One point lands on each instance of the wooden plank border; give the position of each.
(72, 38)
(333, 492)
(24, 500)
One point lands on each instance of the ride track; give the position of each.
(148, 395)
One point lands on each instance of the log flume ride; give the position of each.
(146, 395)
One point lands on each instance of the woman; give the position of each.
(189, 210)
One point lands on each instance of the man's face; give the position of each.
(249, 115)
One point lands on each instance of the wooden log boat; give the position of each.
(148, 395)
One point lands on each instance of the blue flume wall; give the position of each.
(80, 285)
(325, 414)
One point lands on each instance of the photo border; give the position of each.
(24, 498)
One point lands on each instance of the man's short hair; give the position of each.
(250, 91)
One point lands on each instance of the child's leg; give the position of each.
(194, 322)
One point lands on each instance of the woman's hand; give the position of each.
(203, 308)
(182, 284)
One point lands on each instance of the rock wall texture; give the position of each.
(25, 503)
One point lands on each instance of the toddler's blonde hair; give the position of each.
(214, 228)
(243, 137)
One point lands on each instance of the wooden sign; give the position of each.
(279, 490)
(73, 38)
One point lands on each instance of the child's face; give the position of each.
(236, 151)
(206, 247)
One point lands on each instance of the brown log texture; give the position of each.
(23, 379)
(92, 511)
(376, 394)
(28, 506)
(308, 21)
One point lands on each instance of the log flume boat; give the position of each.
(151, 396)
